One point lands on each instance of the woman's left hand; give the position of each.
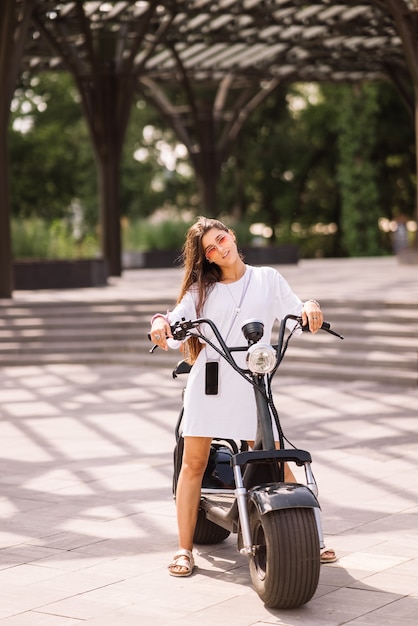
(312, 315)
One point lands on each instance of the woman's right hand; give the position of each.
(160, 330)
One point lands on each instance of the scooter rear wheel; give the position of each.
(206, 532)
(285, 567)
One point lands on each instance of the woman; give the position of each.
(218, 285)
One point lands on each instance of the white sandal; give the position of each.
(183, 559)
(327, 555)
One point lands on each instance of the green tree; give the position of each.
(326, 153)
(155, 171)
(51, 158)
(395, 151)
(358, 171)
(289, 165)
(309, 154)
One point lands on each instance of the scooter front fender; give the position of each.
(275, 496)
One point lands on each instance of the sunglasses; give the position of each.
(221, 240)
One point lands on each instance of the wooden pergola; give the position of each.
(223, 56)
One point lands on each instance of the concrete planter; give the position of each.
(151, 259)
(272, 255)
(59, 274)
(73, 274)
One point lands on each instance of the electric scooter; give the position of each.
(244, 492)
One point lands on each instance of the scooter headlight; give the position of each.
(261, 358)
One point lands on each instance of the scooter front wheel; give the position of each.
(286, 563)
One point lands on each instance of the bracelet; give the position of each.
(315, 302)
(156, 316)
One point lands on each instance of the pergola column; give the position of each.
(407, 27)
(108, 131)
(105, 77)
(14, 22)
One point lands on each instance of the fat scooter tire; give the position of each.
(206, 532)
(286, 564)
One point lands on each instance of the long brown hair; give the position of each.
(198, 271)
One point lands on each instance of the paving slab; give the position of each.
(87, 518)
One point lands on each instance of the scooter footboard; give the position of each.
(275, 496)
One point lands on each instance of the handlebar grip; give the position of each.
(324, 326)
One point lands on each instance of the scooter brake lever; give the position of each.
(332, 332)
(179, 330)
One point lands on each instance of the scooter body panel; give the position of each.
(275, 496)
(218, 473)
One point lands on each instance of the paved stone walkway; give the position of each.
(87, 519)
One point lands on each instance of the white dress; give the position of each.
(261, 293)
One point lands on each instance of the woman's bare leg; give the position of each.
(195, 458)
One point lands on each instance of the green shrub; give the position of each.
(145, 235)
(35, 238)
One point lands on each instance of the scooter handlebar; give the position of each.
(324, 326)
(179, 331)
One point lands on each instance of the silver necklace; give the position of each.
(244, 291)
(238, 306)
